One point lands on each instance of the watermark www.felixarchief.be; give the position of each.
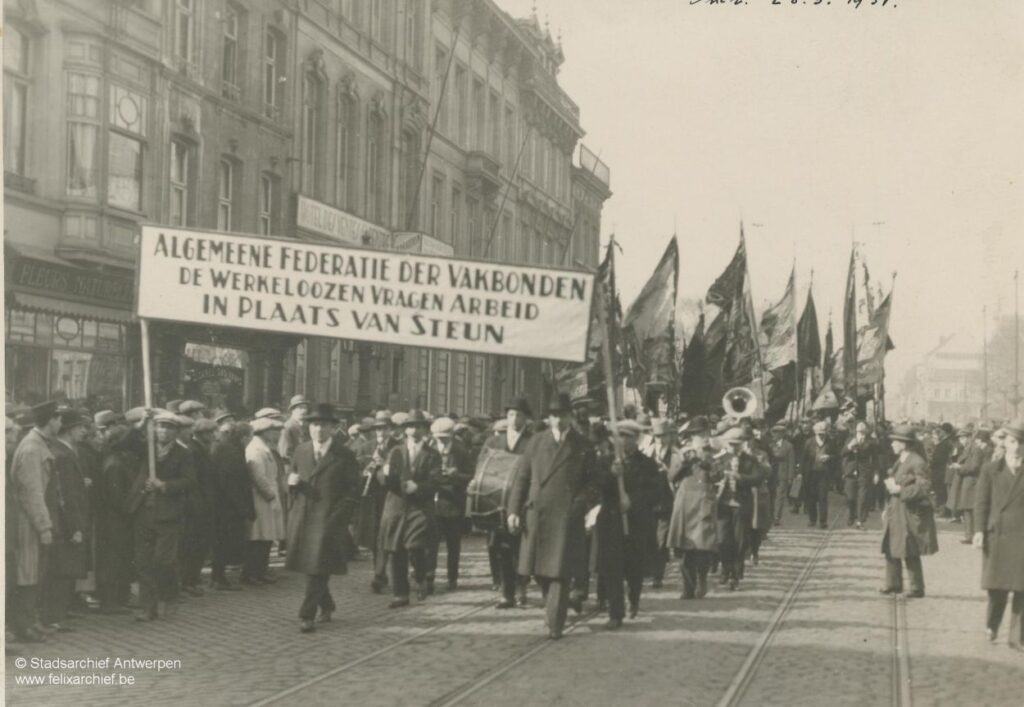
(40, 671)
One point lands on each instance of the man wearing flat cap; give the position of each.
(371, 507)
(818, 460)
(555, 485)
(198, 529)
(158, 507)
(32, 470)
(325, 483)
(456, 473)
(409, 521)
(294, 432)
(269, 526)
(910, 532)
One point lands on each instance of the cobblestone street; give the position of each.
(807, 627)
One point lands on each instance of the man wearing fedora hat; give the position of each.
(409, 523)
(999, 516)
(555, 483)
(325, 483)
(910, 532)
(502, 545)
(294, 432)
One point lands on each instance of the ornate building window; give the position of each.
(185, 30)
(225, 194)
(230, 54)
(267, 214)
(346, 135)
(17, 79)
(312, 137)
(273, 73)
(83, 134)
(181, 183)
(376, 162)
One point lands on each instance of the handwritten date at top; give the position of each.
(854, 3)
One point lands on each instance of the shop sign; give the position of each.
(338, 225)
(388, 297)
(68, 281)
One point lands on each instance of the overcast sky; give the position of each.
(903, 126)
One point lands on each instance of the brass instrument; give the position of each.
(739, 403)
(376, 463)
(727, 488)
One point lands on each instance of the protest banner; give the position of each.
(311, 289)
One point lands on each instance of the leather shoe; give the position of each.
(554, 634)
(325, 616)
(890, 590)
(633, 611)
(505, 604)
(990, 634)
(307, 627)
(613, 624)
(398, 603)
(377, 585)
(576, 604)
(702, 587)
(915, 594)
(422, 592)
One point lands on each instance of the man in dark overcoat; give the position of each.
(860, 465)
(968, 471)
(999, 520)
(409, 523)
(456, 473)
(503, 544)
(326, 486)
(197, 538)
(554, 487)
(114, 543)
(817, 464)
(909, 517)
(158, 509)
(621, 556)
(374, 493)
(741, 474)
(941, 456)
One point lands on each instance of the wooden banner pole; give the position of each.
(147, 388)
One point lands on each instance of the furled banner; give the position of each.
(308, 289)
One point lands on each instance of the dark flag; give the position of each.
(714, 354)
(850, 330)
(808, 339)
(874, 343)
(827, 360)
(778, 330)
(723, 290)
(695, 382)
(648, 327)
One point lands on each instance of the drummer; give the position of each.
(500, 541)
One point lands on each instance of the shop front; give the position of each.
(68, 332)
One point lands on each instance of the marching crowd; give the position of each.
(588, 504)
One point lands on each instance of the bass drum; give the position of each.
(487, 494)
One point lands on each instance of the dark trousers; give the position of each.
(856, 490)
(694, 570)
(506, 552)
(997, 599)
(25, 607)
(894, 573)
(257, 559)
(56, 598)
(450, 530)
(633, 574)
(556, 602)
(400, 561)
(660, 563)
(733, 539)
(816, 498)
(380, 559)
(580, 586)
(968, 521)
(756, 536)
(156, 558)
(196, 540)
(318, 596)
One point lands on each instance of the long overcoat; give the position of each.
(646, 486)
(233, 506)
(114, 529)
(694, 523)
(968, 474)
(555, 484)
(70, 559)
(409, 520)
(999, 514)
(669, 461)
(31, 473)
(909, 516)
(263, 470)
(323, 502)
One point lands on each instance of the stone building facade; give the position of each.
(430, 126)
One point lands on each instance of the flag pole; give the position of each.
(606, 308)
(753, 323)
(147, 391)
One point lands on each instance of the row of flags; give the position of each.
(780, 356)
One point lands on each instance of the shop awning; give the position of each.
(50, 305)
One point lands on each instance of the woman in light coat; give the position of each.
(268, 527)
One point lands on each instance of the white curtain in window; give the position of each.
(81, 159)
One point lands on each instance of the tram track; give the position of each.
(902, 695)
(737, 689)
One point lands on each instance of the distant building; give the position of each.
(947, 385)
